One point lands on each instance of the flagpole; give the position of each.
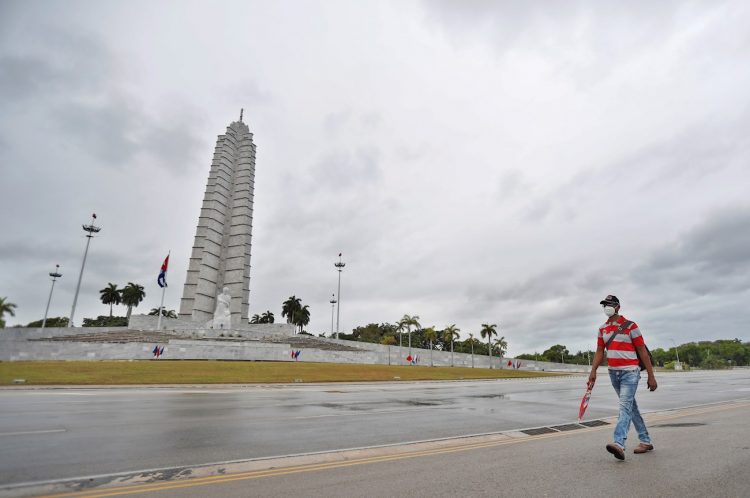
(163, 291)
(161, 306)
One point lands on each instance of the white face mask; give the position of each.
(609, 310)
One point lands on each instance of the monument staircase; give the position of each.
(165, 336)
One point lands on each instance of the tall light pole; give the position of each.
(55, 275)
(340, 267)
(91, 230)
(333, 305)
(678, 365)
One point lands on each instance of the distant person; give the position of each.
(624, 344)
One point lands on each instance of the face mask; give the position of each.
(609, 310)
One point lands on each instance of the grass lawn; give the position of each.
(229, 372)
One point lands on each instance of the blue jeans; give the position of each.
(625, 383)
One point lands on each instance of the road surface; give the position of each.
(59, 434)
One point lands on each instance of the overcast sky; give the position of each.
(476, 162)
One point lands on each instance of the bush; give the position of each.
(58, 321)
(714, 364)
(106, 321)
(670, 365)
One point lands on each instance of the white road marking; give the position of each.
(359, 414)
(21, 433)
(47, 393)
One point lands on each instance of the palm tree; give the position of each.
(303, 317)
(401, 327)
(132, 295)
(255, 319)
(267, 317)
(111, 295)
(8, 308)
(430, 335)
(471, 342)
(290, 307)
(410, 321)
(389, 341)
(451, 334)
(501, 346)
(488, 331)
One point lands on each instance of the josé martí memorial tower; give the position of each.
(220, 258)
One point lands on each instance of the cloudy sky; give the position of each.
(476, 162)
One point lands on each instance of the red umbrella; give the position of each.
(585, 400)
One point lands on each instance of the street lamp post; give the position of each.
(55, 275)
(340, 267)
(678, 365)
(91, 229)
(333, 305)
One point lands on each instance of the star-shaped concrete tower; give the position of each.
(221, 251)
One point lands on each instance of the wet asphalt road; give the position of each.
(697, 455)
(51, 434)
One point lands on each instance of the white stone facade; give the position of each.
(221, 251)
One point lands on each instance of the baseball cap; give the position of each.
(612, 300)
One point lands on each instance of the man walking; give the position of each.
(624, 344)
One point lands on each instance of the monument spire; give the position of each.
(241, 111)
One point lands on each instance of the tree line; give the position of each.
(430, 337)
(722, 353)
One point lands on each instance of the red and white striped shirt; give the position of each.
(621, 354)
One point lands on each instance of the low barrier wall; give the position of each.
(29, 344)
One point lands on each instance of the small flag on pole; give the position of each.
(162, 280)
(585, 401)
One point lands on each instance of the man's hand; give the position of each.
(651, 383)
(592, 378)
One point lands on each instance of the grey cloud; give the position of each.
(606, 22)
(346, 170)
(37, 251)
(338, 121)
(71, 79)
(554, 283)
(371, 120)
(101, 131)
(537, 210)
(335, 121)
(511, 184)
(23, 77)
(713, 255)
(686, 158)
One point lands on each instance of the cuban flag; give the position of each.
(162, 280)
